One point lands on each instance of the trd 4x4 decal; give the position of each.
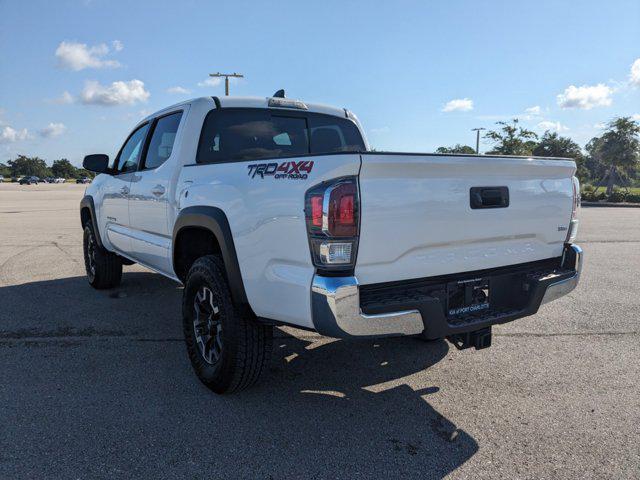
(288, 170)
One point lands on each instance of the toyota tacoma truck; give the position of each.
(273, 211)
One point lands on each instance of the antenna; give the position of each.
(279, 93)
(226, 79)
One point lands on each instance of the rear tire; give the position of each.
(228, 349)
(104, 269)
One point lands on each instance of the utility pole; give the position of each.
(226, 79)
(477, 130)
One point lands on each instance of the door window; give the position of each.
(130, 154)
(162, 139)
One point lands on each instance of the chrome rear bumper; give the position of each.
(563, 287)
(335, 306)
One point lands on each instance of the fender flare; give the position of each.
(87, 202)
(214, 220)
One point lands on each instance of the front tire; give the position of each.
(104, 269)
(228, 350)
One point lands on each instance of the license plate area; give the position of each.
(469, 296)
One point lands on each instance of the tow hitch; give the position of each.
(478, 339)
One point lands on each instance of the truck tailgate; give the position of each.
(417, 218)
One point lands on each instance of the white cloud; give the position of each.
(78, 56)
(63, 99)
(178, 90)
(210, 82)
(380, 130)
(118, 93)
(585, 97)
(117, 45)
(10, 135)
(533, 111)
(549, 125)
(600, 126)
(53, 130)
(634, 75)
(458, 105)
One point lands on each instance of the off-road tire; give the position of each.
(104, 269)
(244, 350)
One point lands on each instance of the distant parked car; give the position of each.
(58, 180)
(83, 180)
(30, 180)
(15, 179)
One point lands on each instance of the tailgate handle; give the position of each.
(489, 197)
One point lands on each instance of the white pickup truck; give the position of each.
(273, 211)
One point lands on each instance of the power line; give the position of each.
(226, 79)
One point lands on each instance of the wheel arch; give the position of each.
(88, 212)
(214, 222)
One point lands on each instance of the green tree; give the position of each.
(5, 171)
(457, 148)
(23, 165)
(553, 145)
(618, 149)
(511, 139)
(81, 172)
(592, 162)
(63, 169)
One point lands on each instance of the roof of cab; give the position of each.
(251, 102)
(263, 102)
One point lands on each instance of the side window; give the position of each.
(249, 134)
(130, 154)
(162, 139)
(334, 134)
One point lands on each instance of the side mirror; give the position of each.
(98, 163)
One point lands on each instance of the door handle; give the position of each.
(489, 197)
(158, 190)
(124, 190)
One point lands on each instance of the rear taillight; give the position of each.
(572, 232)
(333, 220)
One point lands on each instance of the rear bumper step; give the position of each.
(342, 308)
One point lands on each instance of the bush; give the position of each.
(633, 198)
(591, 196)
(616, 196)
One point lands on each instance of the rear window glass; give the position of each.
(332, 134)
(247, 134)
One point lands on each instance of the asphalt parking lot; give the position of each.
(98, 384)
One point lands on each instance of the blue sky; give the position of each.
(76, 75)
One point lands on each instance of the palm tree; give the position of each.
(618, 149)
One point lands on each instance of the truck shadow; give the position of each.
(370, 398)
(325, 408)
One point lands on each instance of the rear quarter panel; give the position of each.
(266, 217)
